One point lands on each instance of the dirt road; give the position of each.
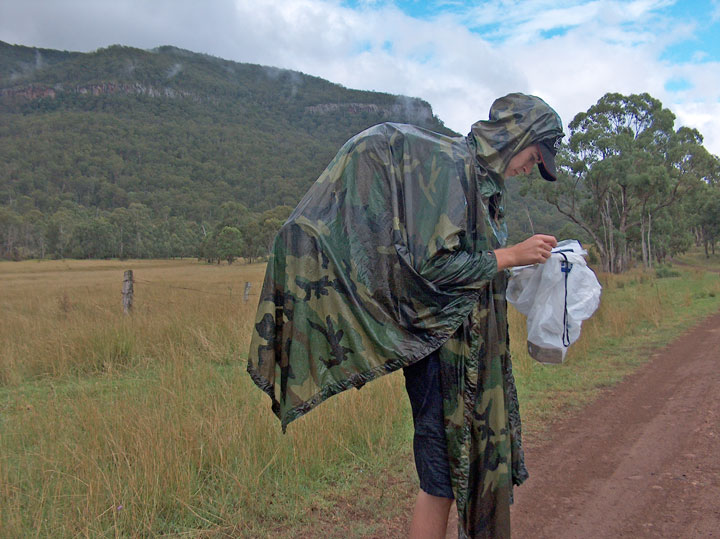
(641, 461)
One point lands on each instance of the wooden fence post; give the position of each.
(246, 294)
(127, 292)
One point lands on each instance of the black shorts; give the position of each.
(422, 381)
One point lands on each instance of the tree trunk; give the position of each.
(609, 261)
(649, 246)
(645, 255)
(532, 226)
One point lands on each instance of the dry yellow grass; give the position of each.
(65, 317)
(148, 424)
(141, 425)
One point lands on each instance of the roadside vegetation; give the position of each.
(147, 424)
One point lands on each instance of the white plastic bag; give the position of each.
(556, 297)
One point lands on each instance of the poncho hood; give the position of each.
(516, 121)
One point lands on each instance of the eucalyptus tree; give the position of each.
(10, 232)
(703, 209)
(229, 244)
(624, 163)
(711, 221)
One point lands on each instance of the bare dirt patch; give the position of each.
(640, 461)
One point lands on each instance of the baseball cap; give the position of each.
(548, 148)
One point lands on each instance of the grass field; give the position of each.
(135, 426)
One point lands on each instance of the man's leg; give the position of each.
(430, 449)
(430, 516)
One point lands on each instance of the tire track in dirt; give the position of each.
(643, 460)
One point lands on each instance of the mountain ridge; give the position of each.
(134, 69)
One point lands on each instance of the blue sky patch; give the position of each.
(703, 47)
(489, 32)
(553, 32)
(678, 85)
(419, 9)
(363, 46)
(705, 43)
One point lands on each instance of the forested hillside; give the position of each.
(133, 153)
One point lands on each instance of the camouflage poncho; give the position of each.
(388, 257)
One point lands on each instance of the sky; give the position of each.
(457, 55)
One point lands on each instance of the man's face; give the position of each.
(523, 162)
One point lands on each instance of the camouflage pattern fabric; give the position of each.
(388, 257)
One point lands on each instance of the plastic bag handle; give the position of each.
(565, 267)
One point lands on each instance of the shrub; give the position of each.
(665, 271)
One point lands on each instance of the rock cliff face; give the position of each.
(32, 92)
(28, 92)
(413, 108)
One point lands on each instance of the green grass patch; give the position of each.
(696, 257)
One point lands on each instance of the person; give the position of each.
(393, 259)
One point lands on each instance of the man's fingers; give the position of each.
(547, 239)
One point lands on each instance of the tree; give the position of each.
(709, 219)
(93, 238)
(10, 226)
(622, 165)
(60, 230)
(254, 246)
(229, 243)
(208, 248)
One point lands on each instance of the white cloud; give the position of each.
(606, 46)
(524, 21)
(703, 117)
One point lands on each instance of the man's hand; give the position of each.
(534, 250)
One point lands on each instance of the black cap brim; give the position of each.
(547, 163)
